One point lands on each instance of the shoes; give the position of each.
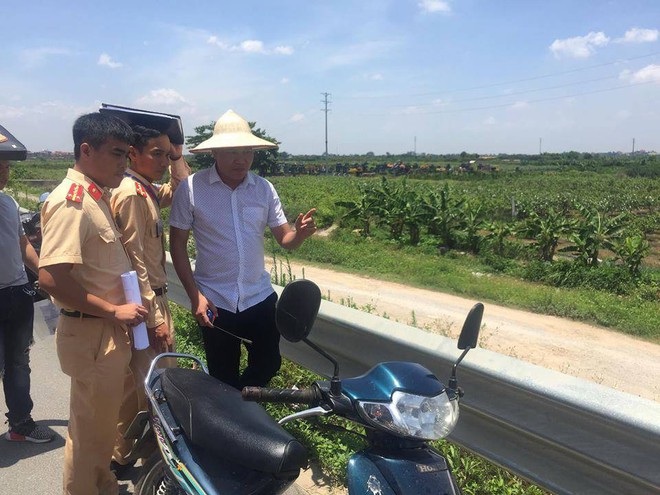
(121, 470)
(29, 431)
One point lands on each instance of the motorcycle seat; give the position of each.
(214, 417)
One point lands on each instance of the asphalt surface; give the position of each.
(27, 468)
(36, 469)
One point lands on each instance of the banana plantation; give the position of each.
(567, 229)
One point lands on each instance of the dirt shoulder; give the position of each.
(593, 353)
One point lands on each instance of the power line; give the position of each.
(504, 105)
(515, 93)
(503, 83)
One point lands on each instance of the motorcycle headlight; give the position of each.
(416, 416)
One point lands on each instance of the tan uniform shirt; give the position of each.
(78, 228)
(137, 214)
(136, 206)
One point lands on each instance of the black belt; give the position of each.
(160, 291)
(76, 314)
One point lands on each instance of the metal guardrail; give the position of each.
(565, 434)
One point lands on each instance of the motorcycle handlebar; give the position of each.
(309, 396)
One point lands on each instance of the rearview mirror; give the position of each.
(297, 308)
(470, 332)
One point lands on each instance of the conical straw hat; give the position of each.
(232, 131)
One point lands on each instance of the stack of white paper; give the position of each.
(132, 293)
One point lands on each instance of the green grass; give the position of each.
(331, 446)
(466, 276)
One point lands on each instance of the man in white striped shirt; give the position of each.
(228, 209)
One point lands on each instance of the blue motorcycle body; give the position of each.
(394, 466)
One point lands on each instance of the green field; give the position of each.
(583, 243)
(607, 294)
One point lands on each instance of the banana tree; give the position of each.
(415, 213)
(445, 213)
(471, 224)
(631, 251)
(498, 232)
(392, 211)
(546, 230)
(363, 211)
(594, 232)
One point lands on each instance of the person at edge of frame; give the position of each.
(82, 260)
(16, 317)
(136, 206)
(228, 208)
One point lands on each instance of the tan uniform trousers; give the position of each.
(134, 397)
(95, 353)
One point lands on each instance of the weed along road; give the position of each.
(592, 353)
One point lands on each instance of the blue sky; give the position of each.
(486, 76)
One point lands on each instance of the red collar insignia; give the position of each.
(75, 193)
(139, 188)
(94, 191)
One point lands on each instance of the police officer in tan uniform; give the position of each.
(81, 265)
(136, 206)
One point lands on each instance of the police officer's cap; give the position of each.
(10, 147)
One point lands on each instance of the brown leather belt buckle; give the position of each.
(76, 314)
(160, 291)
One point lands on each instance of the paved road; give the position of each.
(27, 468)
(31, 469)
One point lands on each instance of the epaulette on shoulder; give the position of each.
(139, 188)
(75, 193)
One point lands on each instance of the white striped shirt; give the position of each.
(228, 227)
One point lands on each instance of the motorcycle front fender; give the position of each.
(414, 473)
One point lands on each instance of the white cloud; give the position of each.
(639, 35)
(284, 80)
(489, 121)
(9, 112)
(650, 73)
(284, 50)
(162, 96)
(213, 40)
(250, 46)
(297, 117)
(432, 6)
(579, 46)
(32, 57)
(106, 60)
(51, 109)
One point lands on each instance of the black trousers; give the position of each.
(16, 318)
(223, 352)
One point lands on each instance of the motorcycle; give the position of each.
(213, 439)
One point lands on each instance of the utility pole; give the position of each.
(326, 110)
(415, 148)
(540, 144)
(633, 151)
